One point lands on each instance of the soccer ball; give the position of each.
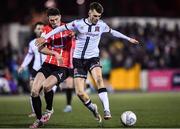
(128, 118)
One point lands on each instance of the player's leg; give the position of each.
(80, 74)
(96, 72)
(36, 87)
(32, 114)
(32, 76)
(69, 91)
(59, 75)
(83, 96)
(48, 84)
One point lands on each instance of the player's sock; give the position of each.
(69, 96)
(30, 99)
(36, 101)
(89, 105)
(54, 89)
(104, 98)
(49, 99)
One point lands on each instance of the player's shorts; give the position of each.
(33, 73)
(82, 66)
(61, 73)
(71, 72)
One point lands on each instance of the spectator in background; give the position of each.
(106, 68)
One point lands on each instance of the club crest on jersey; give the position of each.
(73, 25)
(97, 28)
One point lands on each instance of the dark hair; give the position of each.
(53, 12)
(97, 6)
(38, 23)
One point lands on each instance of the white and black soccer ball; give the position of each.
(128, 118)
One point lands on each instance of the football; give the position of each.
(128, 118)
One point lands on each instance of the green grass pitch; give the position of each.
(153, 110)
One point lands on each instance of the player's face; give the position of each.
(94, 16)
(38, 30)
(55, 20)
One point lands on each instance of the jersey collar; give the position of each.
(88, 23)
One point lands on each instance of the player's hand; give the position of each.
(40, 41)
(20, 69)
(133, 41)
(58, 57)
(72, 34)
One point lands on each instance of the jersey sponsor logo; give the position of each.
(91, 34)
(58, 46)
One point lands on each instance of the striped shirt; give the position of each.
(88, 36)
(61, 43)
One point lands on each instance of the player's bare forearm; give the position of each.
(40, 41)
(134, 41)
(120, 35)
(46, 51)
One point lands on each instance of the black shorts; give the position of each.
(71, 72)
(82, 66)
(61, 73)
(33, 73)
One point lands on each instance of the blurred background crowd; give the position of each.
(159, 43)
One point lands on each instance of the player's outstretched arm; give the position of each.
(120, 35)
(55, 31)
(47, 51)
(26, 62)
(40, 41)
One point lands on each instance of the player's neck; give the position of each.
(89, 21)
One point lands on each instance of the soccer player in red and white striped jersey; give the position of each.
(55, 69)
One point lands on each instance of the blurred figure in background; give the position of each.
(105, 61)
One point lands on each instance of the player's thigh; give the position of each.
(37, 84)
(33, 74)
(97, 76)
(96, 73)
(79, 85)
(50, 82)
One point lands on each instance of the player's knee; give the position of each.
(46, 87)
(80, 93)
(34, 93)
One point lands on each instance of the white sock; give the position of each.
(105, 101)
(89, 105)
